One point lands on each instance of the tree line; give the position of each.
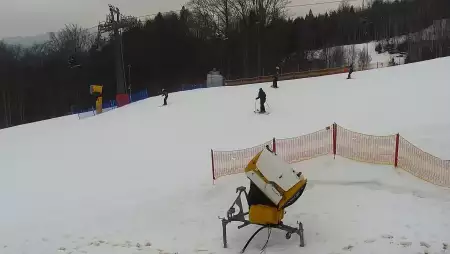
(241, 38)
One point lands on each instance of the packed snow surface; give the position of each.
(138, 179)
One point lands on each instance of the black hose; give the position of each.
(251, 238)
(268, 237)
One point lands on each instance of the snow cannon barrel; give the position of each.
(275, 185)
(96, 90)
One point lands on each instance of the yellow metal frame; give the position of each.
(265, 215)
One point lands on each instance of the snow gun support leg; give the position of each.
(291, 230)
(233, 216)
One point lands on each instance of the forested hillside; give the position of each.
(238, 37)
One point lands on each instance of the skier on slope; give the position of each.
(275, 77)
(166, 95)
(262, 100)
(350, 71)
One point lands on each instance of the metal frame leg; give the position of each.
(300, 234)
(240, 217)
(224, 233)
(233, 216)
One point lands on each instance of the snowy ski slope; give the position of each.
(140, 175)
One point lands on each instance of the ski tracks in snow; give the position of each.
(94, 246)
(381, 242)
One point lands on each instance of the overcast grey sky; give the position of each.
(32, 17)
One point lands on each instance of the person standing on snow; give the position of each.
(166, 95)
(350, 71)
(262, 100)
(275, 77)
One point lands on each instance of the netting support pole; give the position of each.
(274, 146)
(334, 139)
(397, 143)
(212, 166)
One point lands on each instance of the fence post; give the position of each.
(397, 143)
(274, 146)
(334, 139)
(212, 164)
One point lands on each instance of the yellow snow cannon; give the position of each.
(274, 186)
(96, 90)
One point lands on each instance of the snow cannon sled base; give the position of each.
(274, 186)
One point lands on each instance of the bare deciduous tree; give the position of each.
(344, 5)
(364, 59)
(333, 57)
(215, 14)
(72, 38)
(351, 54)
(265, 10)
(337, 58)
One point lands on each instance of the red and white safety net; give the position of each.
(305, 147)
(348, 144)
(234, 162)
(423, 165)
(365, 148)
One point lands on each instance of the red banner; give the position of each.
(122, 99)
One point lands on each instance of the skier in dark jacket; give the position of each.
(275, 77)
(262, 100)
(166, 95)
(350, 71)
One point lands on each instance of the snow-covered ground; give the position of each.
(141, 175)
(376, 60)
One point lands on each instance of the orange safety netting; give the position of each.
(305, 147)
(365, 148)
(423, 165)
(391, 150)
(234, 162)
